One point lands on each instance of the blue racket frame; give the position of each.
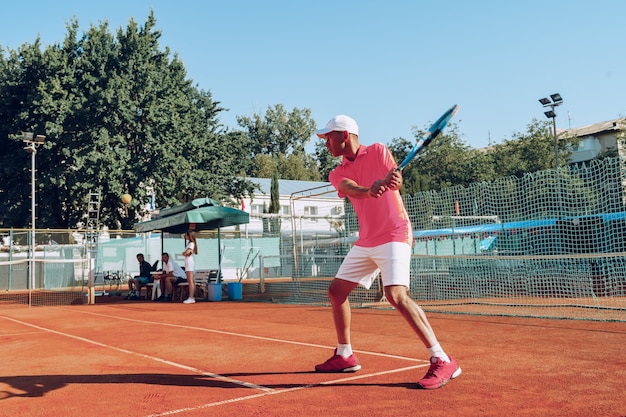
(431, 134)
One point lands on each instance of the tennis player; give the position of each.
(367, 176)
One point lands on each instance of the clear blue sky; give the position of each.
(391, 65)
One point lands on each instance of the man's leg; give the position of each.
(169, 287)
(131, 282)
(138, 284)
(343, 360)
(442, 367)
(338, 292)
(398, 297)
(162, 288)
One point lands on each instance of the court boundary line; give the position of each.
(19, 334)
(287, 390)
(144, 356)
(249, 336)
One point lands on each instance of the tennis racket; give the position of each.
(431, 134)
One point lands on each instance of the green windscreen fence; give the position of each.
(549, 244)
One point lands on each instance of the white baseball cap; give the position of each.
(339, 123)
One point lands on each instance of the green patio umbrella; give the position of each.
(199, 214)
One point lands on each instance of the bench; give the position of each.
(201, 278)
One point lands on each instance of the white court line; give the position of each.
(282, 391)
(142, 355)
(249, 336)
(18, 334)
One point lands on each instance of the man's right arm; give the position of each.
(352, 189)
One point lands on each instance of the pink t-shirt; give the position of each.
(381, 220)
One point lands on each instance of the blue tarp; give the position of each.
(503, 227)
(485, 228)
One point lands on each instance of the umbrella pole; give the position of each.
(219, 258)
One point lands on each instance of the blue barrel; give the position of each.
(235, 291)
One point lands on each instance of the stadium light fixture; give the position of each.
(544, 101)
(556, 97)
(550, 114)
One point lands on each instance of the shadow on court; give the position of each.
(27, 386)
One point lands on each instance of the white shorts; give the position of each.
(392, 260)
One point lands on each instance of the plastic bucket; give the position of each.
(215, 292)
(235, 291)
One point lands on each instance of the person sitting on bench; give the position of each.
(172, 275)
(144, 277)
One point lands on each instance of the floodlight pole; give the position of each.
(554, 101)
(556, 143)
(31, 147)
(32, 212)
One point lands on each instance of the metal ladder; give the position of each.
(91, 238)
(93, 211)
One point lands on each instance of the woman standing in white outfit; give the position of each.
(190, 250)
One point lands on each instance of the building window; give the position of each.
(311, 211)
(256, 209)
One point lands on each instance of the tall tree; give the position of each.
(530, 151)
(119, 114)
(283, 136)
(275, 204)
(20, 75)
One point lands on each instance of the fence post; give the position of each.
(261, 276)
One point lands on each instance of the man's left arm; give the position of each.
(146, 268)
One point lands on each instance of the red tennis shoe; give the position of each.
(439, 373)
(338, 363)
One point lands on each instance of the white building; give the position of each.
(311, 207)
(596, 139)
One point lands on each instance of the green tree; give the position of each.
(325, 161)
(445, 162)
(119, 113)
(290, 167)
(282, 136)
(275, 204)
(530, 151)
(20, 75)
(264, 166)
(298, 167)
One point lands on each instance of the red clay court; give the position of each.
(142, 358)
